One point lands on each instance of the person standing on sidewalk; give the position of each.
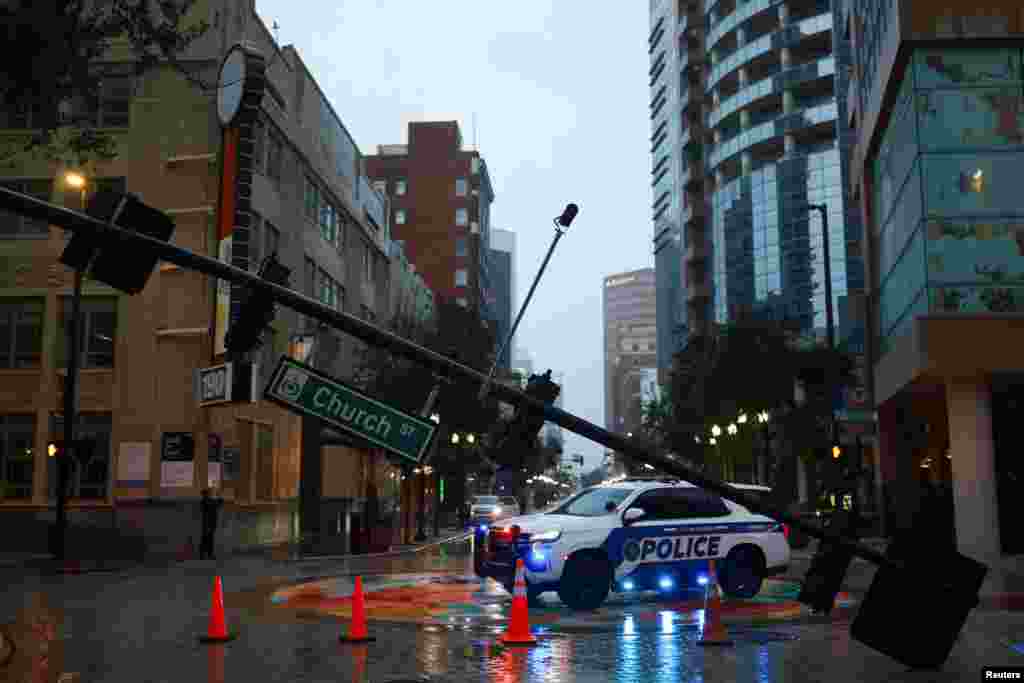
(208, 507)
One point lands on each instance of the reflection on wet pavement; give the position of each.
(142, 627)
(455, 601)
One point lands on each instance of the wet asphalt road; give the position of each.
(142, 625)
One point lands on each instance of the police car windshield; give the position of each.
(592, 502)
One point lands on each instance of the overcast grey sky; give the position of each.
(559, 90)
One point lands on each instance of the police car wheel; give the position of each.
(742, 572)
(585, 581)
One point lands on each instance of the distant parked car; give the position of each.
(483, 512)
(509, 507)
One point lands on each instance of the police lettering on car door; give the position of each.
(670, 548)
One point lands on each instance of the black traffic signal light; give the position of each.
(528, 421)
(829, 566)
(257, 311)
(109, 260)
(902, 601)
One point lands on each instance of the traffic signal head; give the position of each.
(837, 451)
(528, 421)
(121, 266)
(55, 448)
(257, 312)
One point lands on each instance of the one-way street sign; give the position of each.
(302, 389)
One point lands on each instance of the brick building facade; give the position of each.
(440, 196)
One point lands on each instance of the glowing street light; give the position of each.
(455, 438)
(470, 438)
(75, 180)
(716, 430)
(732, 428)
(713, 441)
(435, 418)
(742, 419)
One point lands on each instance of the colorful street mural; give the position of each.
(466, 601)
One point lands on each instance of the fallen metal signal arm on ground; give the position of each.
(75, 221)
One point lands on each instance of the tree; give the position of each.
(54, 87)
(456, 333)
(746, 368)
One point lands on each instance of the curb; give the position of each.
(398, 550)
(47, 565)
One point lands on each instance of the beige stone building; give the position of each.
(312, 205)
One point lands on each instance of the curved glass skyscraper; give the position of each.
(760, 136)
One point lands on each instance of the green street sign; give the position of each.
(302, 389)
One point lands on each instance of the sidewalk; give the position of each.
(275, 553)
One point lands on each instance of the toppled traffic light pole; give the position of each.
(897, 615)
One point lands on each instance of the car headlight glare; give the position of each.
(547, 536)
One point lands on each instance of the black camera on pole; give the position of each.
(258, 310)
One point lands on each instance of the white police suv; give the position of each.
(636, 535)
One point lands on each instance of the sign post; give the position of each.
(300, 388)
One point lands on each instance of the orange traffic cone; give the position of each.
(713, 630)
(518, 631)
(357, 632)
(218, 630)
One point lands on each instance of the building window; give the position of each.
(636, 347)
(341, 220)
(13, 225)
(99, 330)
(112, 107)
(461, 187)
(475, 165)
(461, 217)
(328, 294)
(368, 262)
(461, 277)
(399, 216)
(17, 435)
(460, 246)
(310, 278)
(21, 333)
(326, 220)
(400, 187)
(271, 239)
(275, 155)
(312, 200)
(88, 478)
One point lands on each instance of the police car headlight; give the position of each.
(547, 536)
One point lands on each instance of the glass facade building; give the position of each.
(754, 134)
(667, 89)
(778, 141)
(946, 197)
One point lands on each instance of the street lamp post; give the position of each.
(830, 329)
(59, 548)
(562, 224)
